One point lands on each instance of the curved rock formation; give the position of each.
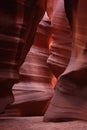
(17, 30)
(34, 91)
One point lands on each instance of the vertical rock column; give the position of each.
(70, 99)
(62, 39)
(34, 91)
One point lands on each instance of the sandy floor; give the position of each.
(36, 123)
